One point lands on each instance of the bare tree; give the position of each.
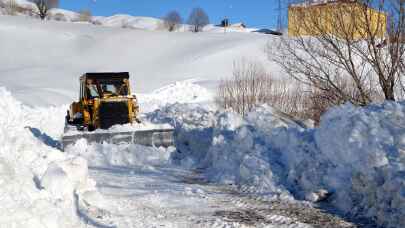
(345, 53)
(172, 20)
(198, 19)
(44, 6)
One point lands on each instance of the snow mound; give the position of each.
(38, 183)
(365, 148)
(179, 92)
(355, 160)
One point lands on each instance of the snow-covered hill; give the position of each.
(42, 60)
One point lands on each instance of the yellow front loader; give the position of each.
(105, 100)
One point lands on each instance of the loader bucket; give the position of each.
(155, 138)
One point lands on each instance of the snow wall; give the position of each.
(39, 185)
(357, 155)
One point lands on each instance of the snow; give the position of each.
(316, 2)
(24, 3)
(38, 182)
(187, 91)
(154, 59)
(128, 21)
(355, 159)
(237, 27)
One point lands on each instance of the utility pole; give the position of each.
(280, 17)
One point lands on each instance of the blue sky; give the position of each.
(258, 13)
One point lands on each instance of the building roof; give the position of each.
(307, 3)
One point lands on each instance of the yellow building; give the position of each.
(341, 18)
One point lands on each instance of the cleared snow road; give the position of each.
(168, 196)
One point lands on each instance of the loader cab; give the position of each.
(104, 85)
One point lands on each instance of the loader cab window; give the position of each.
(109, 88)
(91, 90)
(115, 88)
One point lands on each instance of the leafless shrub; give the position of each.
(44, 6)
(346, 62)
(247, 89)
(251, 86)
(172, 21)
(198, 19)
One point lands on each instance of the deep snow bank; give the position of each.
(38, 183)
(365, 149)
(357, 154)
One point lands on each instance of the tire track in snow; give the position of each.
(169, 196)
(146, 203)
(255, 211)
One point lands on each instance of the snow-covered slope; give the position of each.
(42, 60)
